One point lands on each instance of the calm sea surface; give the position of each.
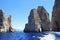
(30, 36)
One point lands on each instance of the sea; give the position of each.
(30, 36)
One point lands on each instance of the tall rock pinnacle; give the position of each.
(56, 16)
(44, 16)
(5, 23)
(38, 20)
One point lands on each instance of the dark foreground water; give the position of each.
(30, 36)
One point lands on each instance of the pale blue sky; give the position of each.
(20, 10)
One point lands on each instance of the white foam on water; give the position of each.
(47, 37)
(33, 36)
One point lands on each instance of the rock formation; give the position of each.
(33, 22)
(38, 20)
(56, 16)
(5, 23)
(44, 16)
(10, 27)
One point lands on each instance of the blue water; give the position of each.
(30, 36)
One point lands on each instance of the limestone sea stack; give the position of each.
(44, 16)
(5, 23)
(33, 22)
(56, 16)
(38, 20)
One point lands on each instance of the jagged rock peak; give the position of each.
(1, 11)
(32, 11)
(40, 7)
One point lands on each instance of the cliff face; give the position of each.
(38, 20)
(5, 23)
(56, 16)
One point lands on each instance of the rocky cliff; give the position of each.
(56, 16)
(5, 23)
(38, 20)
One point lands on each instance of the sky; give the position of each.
(20, 10)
